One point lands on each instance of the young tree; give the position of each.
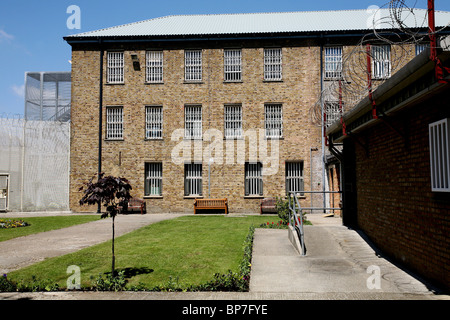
(111, 192)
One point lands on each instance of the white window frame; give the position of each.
(232, 65)
(153, 179)
(253, 179)
(193, 179)
(333, 62)
(381, 61)
(333, 112)
(273, 120)
(294, 177)
(154, 66)
(193, 65)
(114, 123)
(233, 121)
(193, 122)
(439, 139)
(273, 64)
(153, 122)
(115, 67)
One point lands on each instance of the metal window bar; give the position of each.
(233, 65)
(333, 112)
(272, 64)
(294, 178)
(439, 137)
(193, 122)
(114, 123)
(155, 67)
(193, 65)
(115, 67)
(193, 179)
(420, 47)
(253, 179)
(333, 62)
(273, 122)
(381, 62)
(153, 179)
(233, 121)
(153, 122)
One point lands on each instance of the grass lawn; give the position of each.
(190, 249)
(41, 224)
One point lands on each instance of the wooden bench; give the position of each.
(268, 205)
(200, 204)
(134, 204)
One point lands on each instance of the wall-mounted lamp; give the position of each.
(136, 64)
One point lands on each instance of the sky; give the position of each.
(32, 31)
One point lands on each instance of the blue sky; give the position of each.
(31, 31)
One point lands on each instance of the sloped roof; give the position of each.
(259, 23)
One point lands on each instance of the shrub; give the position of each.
(8, 224)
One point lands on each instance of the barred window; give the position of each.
(294, 177)
(333, 62)
(114, 123)
(333, 112)
(272, 64)
(153, 122)
(273, 120)
(421, 47)
(193, 122)
(253, 179)
(381, 62)
(233, 121)
(193, 65)
(154, 65)
(115, 67)
(153, 179)
(440, 155)
(233, 65)
(192, 179)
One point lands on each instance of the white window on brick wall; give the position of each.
(155, 67)
(333, 62)
(273, 120)
(193, 179)
(381, 62)
(153, 122)
(193, 122)
(153, 179)
(114, 123)
(273, 64)
(233, 65)
(233, 121)
(333, 112)
(115, 67)
(253, 179)
(294, 177)
(193, 65)
(440, 155)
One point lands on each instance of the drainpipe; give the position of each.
(323, 127)
(100, 117)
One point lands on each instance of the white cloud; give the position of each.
(19, 90)
(5, 36)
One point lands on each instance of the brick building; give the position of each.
(212, 105)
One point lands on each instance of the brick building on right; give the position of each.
(396, 167)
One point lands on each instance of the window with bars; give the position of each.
(154, 66)
(114, 123)
(253, 179)
(273, 120)
(153, 122)
(381, 62)
(233, 65)
(272, 64)
(153, 179)
(440, 155)
(193, 179)
(294, 177)
(115, 67)
(193, 122)
(233, 121)
(421, 47)
(333, 112)
(333, 62)
(193, 65)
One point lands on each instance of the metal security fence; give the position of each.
(35, 156)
